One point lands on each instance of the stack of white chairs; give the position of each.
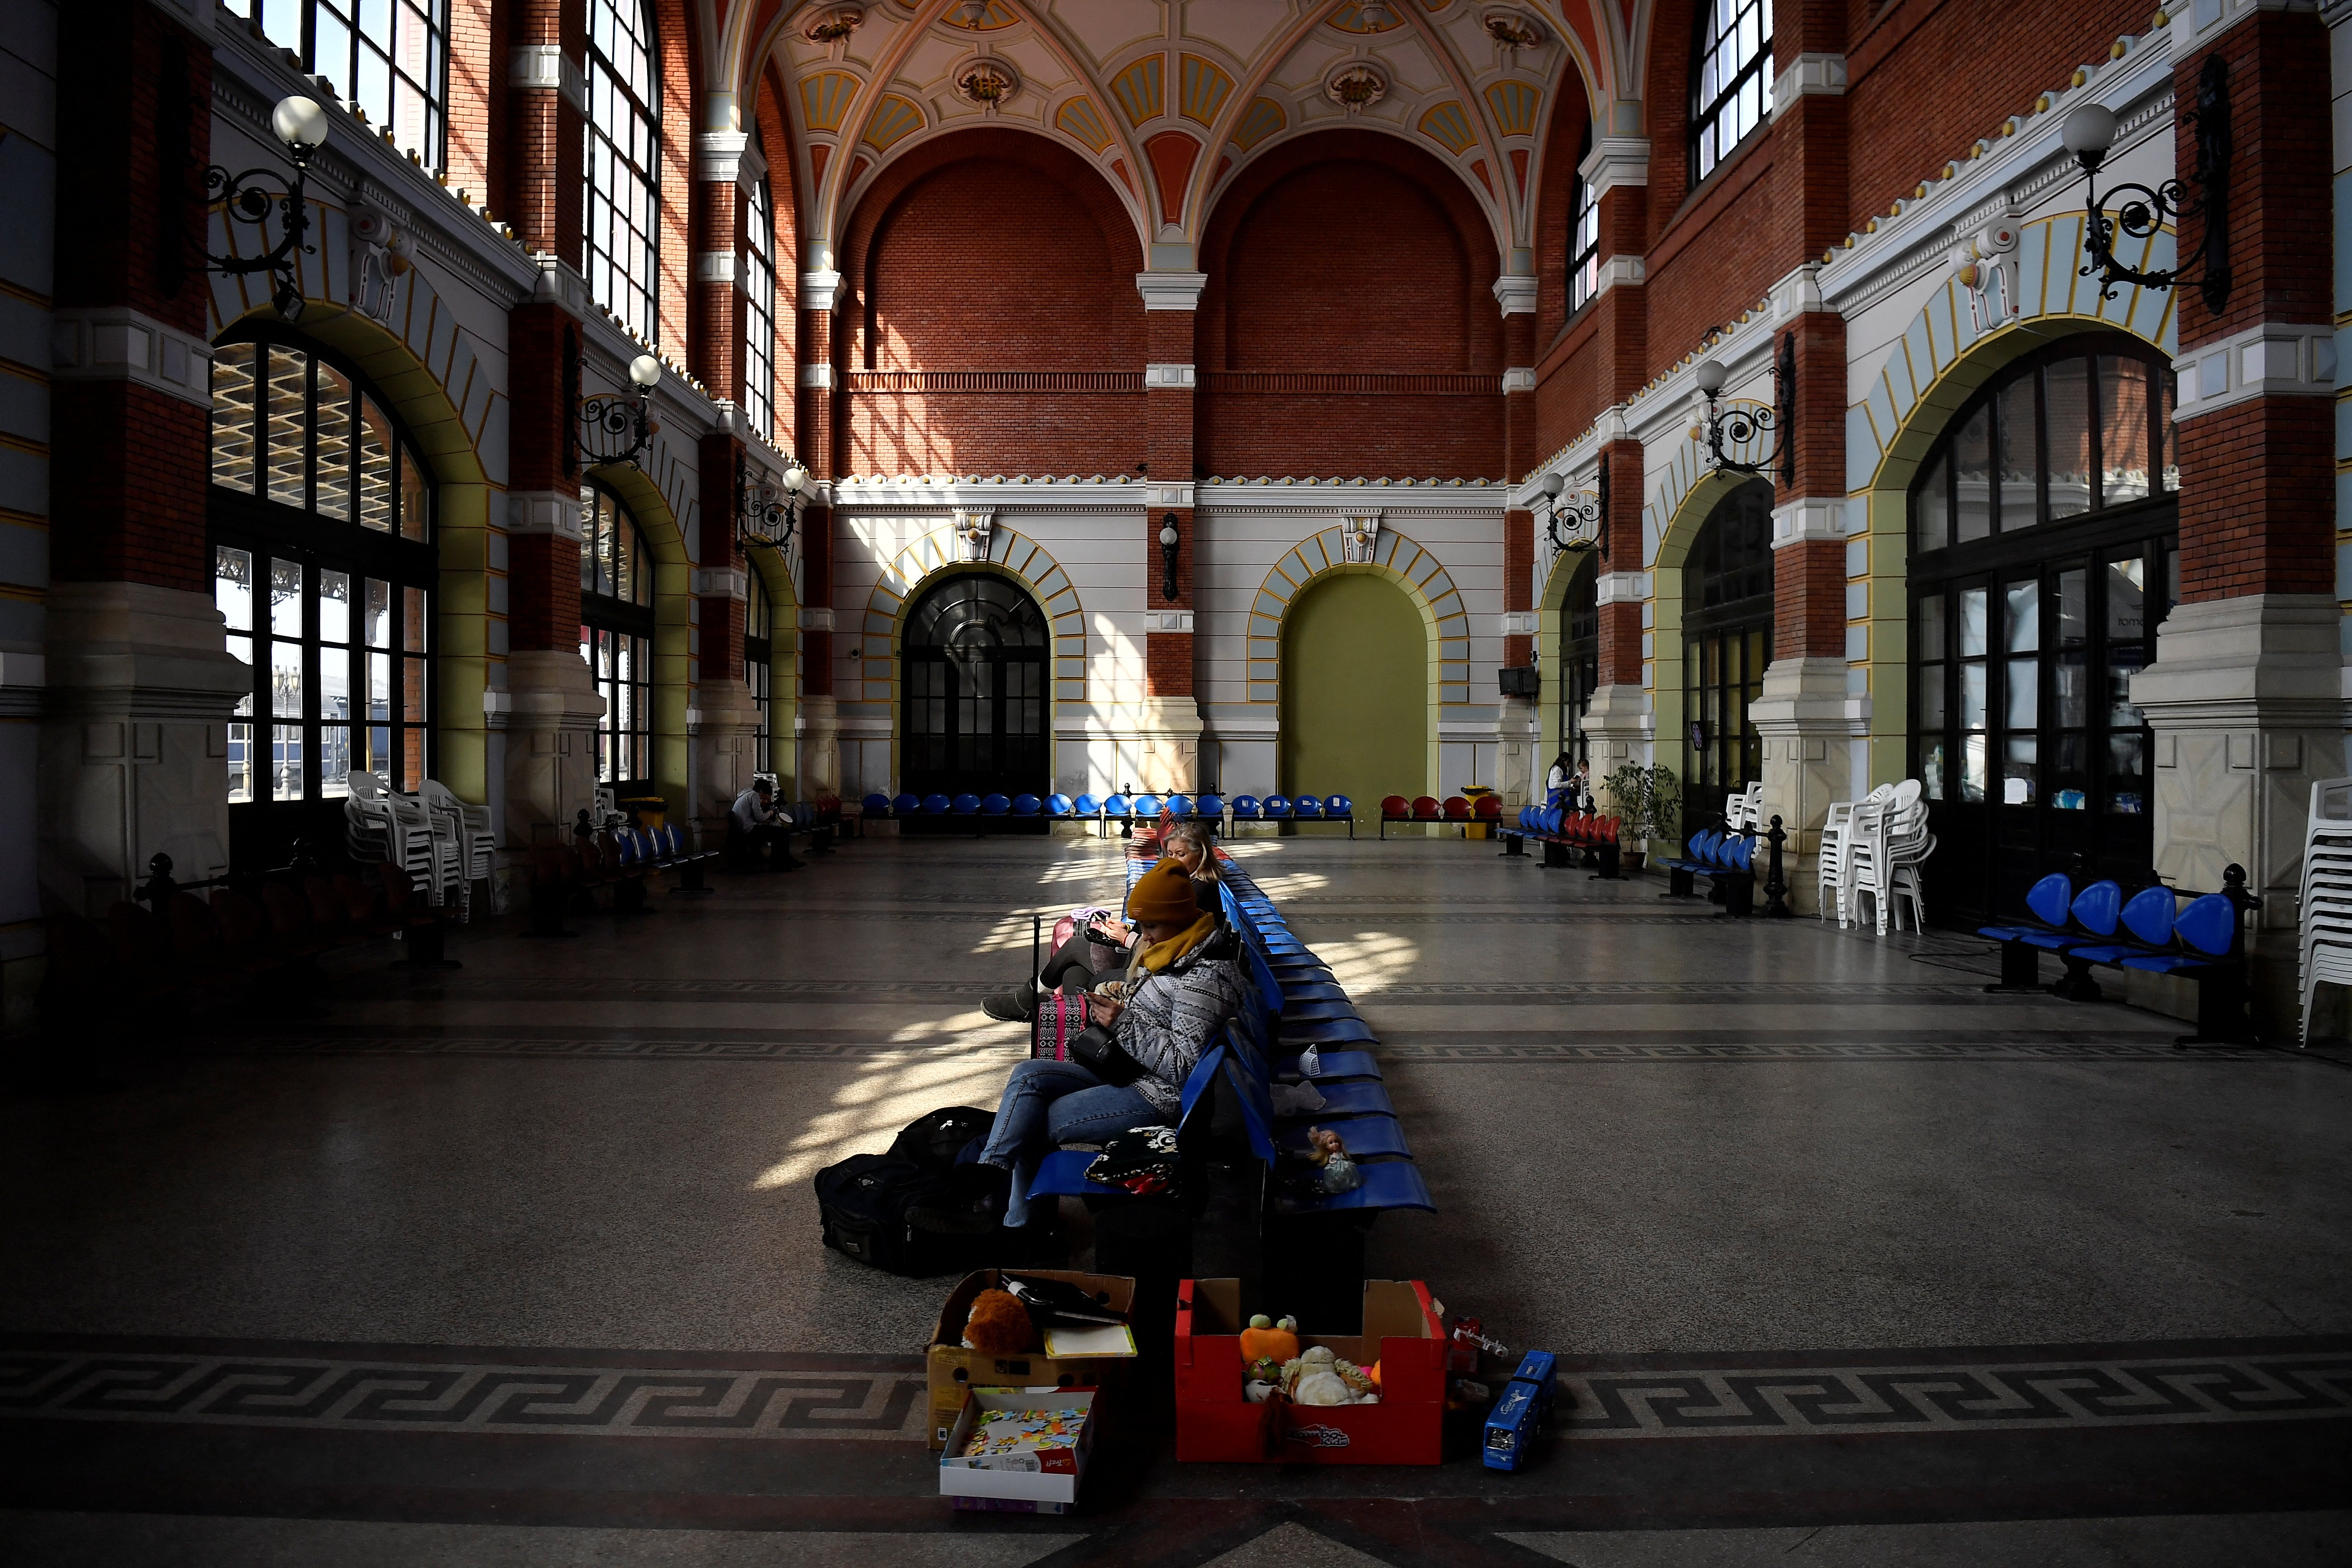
(375, 827)
(468, 830)
(1743, 811)
(1885, 843)
(1831, 893)
(2326, 910)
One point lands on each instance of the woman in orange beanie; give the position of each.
(1181, 988)
(1191, 846)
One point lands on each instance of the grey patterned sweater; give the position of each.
(1171, 1017)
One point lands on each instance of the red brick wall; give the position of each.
(1567, 389)
(1809, 600)
(1555, 221)
(783, 191)
(478, 49)
(680, 73)
(1714, 259)
(133, 509)
(999, 253)
(2257, 511)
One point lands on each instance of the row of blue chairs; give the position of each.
(1570, 839)
(1727, 860)
(2202, 940)
(1103, 810)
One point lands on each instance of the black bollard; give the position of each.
(1775, 885)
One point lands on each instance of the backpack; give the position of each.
(865, 1199)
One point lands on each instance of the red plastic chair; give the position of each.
(1488, 809)
(1424, 808)
(1457, 809)
(1395, 808)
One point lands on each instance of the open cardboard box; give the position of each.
(1215, 1423)
(1041, 1481)
(955, 1371)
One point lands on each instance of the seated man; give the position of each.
(757, 824)
(1181, 987)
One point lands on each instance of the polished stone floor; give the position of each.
(1848, 1261)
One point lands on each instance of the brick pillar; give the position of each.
(1164, 737)
(727, 724)
(546, 102)
(1619, 723)
(821, 766)
(550, 756)
(1618, 168)
(133, 741)
(2245, 694)
(1517, 719)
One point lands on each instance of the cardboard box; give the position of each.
(1215, 1423)
(955, 1371)
(1040, 1481)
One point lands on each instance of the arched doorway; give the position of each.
(1355, 690)
(1727, 642)
(2044, 552)
(972, 707)
(1579, 654)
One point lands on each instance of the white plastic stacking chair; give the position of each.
(1833, 887)
(468, 828)
(368, 832)
(2323, 911)
(1863, 847)
(429, 858)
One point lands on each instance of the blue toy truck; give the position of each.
(1519, 1413)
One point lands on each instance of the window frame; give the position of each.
(1754, 68)
(616, 636)
(300, 20)
(631, 295)
(758, 669)
(269, 529)
(1727, 610)
(759, 309)
(1583, 276)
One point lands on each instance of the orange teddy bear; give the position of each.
(1000, 1325)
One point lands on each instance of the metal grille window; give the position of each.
(616, 634)
(624, 145)
(389, 57)
(2043, 529)
(759, 648)
(1579, 655)
(759, 311)
(1584, 238)
(323, 566)
(1728, 641)
(1731, 79)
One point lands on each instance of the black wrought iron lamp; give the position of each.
(1743, 426)
(617, 426)
(2141, 210)
(1576, 525)
(766, 511)
(1169, 541)
(246, 197)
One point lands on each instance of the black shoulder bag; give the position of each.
(1096, 1050)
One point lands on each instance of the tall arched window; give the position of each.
(1579, 654)
(759, 649)
(1731, 79)
(2044, 533)
(389, 57)
(760, 310)
(320, 516)
(622, 210)
(616, 634)
(1727, 642)
(1584, 237)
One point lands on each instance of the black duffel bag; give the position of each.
(865, 1200)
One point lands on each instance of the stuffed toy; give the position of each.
(1325, 1149)
(1000, 1325)
(1268, 1340)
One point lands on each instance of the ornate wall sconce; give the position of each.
(616, 427)
(1742, 427)
(301, 125)
(1576, 525)
(765, 513)
(1169, 541)
(2090, 130)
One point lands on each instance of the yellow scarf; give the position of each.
(1160, 955)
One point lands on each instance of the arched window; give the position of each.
(975, 666)
(2044, 533)
(616, 634)
(389, 57)
(1584, 237)
(1579, 654)
(320, 518)
(760, 310)
(759, 649)
(622, 209)
(1731, 79)
(1727, 642)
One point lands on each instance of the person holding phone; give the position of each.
(1072, 964)
(1127, 1068)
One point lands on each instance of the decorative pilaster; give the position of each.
(813, 419)
(1168, 727)
(1515, 719)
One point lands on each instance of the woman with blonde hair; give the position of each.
(1188, 844)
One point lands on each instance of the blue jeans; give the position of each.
(1049, 1103)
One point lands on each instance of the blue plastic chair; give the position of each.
(1246, 808)
(1118, 807)
(1146, 808)
(1057, 804)
(875, 805)
(966, 805)
(992, 805)
(906, 806)
(2149, 917)
(2046, 901)
(1277, 807)
(1209, 805)
(1179, 807)
(2208, 930)
(1338, 805)
(1306, 808)
(936, 804)
(1086, 806)
(1063, 1173)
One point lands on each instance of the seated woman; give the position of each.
(1188, 844)
(1180, 989)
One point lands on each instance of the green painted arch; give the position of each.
(1425, 581)
(1347, 718)
(769, 575)
(429, 369)
(673, 621)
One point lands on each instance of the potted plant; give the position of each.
(1647, 801)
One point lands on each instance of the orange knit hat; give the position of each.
(1162, 896)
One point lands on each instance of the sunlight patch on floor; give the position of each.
(867, 1111)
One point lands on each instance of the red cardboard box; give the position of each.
(1215, 1423)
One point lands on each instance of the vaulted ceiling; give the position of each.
(1173, 99)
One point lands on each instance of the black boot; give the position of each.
(1018, 1006)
